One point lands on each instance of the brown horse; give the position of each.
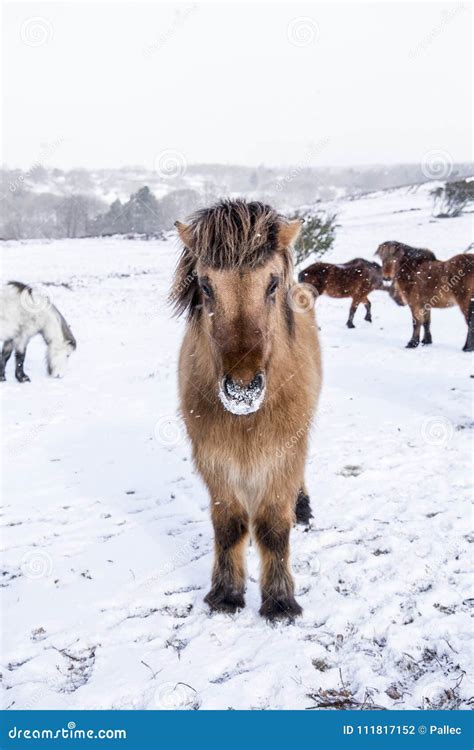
(356, 279)
(423, 282)
(249, 379)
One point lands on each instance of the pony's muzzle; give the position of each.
(242, 398)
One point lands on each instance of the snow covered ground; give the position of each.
(107, 535)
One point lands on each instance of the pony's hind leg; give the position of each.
(230, 523)
(469, 345)
(272, 526)
(426, 325)
(20, 374)
(352, 312)
(5, 356)
(368, 308)
(303, 508)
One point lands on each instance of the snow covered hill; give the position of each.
(107, 535)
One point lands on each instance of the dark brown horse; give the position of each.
(249, 378)
(423, 282)
(357, 279)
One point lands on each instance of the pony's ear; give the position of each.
(288, 232)
(184, 295)
(185, 233)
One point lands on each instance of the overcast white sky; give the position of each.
(118, 83)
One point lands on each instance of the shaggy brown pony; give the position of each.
(423, 282)
(249, 379)
(356, 279)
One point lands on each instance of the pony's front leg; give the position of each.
(417, 316)
(272, 526)
(230, 522)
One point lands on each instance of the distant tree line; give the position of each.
(26, 214)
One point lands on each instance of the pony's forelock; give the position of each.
(232, 235)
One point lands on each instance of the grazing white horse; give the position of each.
(25, 312)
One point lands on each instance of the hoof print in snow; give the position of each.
(350, 470)
(280, 609)
(224, 601)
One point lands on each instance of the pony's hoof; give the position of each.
(23, 379)
(224, 601)
(350, 325)
(369, 320)
(426, 343)
(283, 608)
(303, 509)
(412, 345)
(465, 349)
(2, 378)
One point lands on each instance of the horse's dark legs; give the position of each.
(5, 356)
(230, 538)
(415, 337)
(303, 508)
(352, 312)
(368, 307)
(20, 375)
(469, 345)
(272, 532)
(426, 325)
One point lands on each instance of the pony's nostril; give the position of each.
(257, 383)
(229, 385)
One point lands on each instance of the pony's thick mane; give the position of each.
(233, 234)
(414, 253)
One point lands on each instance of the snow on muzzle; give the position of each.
(242, 399)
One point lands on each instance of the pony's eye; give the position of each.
(272, 287)
(206, 289)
